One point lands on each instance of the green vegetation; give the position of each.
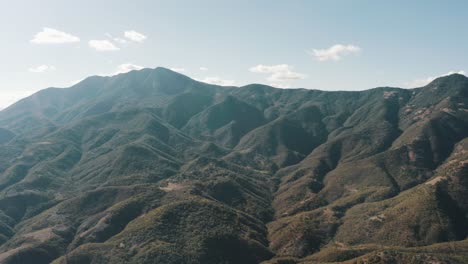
(154, 167)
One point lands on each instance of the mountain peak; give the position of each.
(451, 79)
(98, 171)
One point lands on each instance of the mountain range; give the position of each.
(152, 166)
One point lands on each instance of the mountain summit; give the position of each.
(151, 166)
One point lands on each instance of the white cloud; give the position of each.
(203, 68)
(116, 39)
(280, 85)
(278, 73)
(126, 67)
(120, 40)
(217, 81)
(103, 45)
(270, 68)
(180, 70)
(42, 68)
(53, 36)
(426, 81)
(284, 76)
(335, 52)
(123, 68)
(134, 36)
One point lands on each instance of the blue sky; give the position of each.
(328, 45)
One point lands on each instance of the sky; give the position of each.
(326, 45)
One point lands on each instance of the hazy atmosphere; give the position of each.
(234, 132)
(327, 45)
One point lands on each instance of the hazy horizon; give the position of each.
(161, 139)
(325, 45)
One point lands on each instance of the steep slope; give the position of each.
(282, 142)
(5, 135)
(226, 122)
(344, 192)
(146, 88)
(154, 166)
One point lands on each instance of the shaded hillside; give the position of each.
(5, 135)
(152, 166)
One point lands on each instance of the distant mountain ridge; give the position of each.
(151, 166)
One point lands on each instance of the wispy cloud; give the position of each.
(42, 68)
(135, 36)
(103, 45)
(203, 68)
(120, 40)
(425, 81)
(126, 67)
(123, 68)
(53, 36)
(335, 52)
(278, 74)
(180, 70)
(217, 81)
(116, 39)
(280, 85)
